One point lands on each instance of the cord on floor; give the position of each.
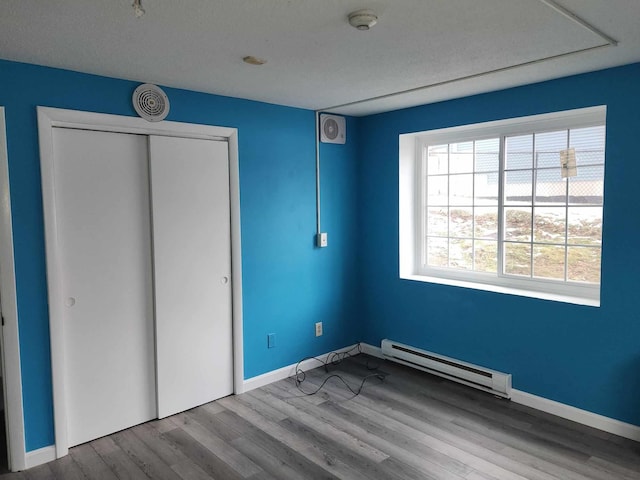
(334, 359)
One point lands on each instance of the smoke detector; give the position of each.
(363, 19)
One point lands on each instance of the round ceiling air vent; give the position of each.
(150, 102)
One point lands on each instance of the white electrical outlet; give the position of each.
(318, 329)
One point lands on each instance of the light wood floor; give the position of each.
(409, 426)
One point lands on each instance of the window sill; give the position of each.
(590, 302)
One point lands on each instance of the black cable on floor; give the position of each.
(334, 359)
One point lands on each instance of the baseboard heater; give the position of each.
(482, 378)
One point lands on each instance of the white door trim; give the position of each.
(48, 118)
(10, 335)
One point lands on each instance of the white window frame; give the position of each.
(410, 209)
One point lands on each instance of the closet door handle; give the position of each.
(224, 280)
(70, 302)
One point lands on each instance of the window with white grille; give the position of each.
(515, 204)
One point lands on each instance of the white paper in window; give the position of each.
(568, 162)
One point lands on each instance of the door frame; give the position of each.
(12, 376)
(48, 118)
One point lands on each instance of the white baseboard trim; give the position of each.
(578, 415)
(40, 456)
(563, 410)
(288, 371)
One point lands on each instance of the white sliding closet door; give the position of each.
(192, 268)
(104, 247)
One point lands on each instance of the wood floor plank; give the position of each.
(409, 426)
(212, 407)
(221, 449)
(339, 436)
(262, 408)
(552, 451)
(172, 456)
(440, 465)
(118, 461)
(374, 408)
(392, 440)
(163, 425)
(281, 467)
(613, 469)
(342, 462)
(254, 426)
(566, 456)
(428, 462)
(298, 452)
(588, 444)
(213, 423)
(152, 465)
(333, 464)
(479, 476)
(583, 439)
(42, 472)
(13, 476)
(405, 471)
(66, 468)
(189, 471)
(153, 439)
(429, 401)
(507, 455)
(263, 475)
(253, 421)
(428, 448)
(439, 394)
(90, 463)
(289, 385)
(201, 456)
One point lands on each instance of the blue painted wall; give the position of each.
(582, 356)
(288, 284)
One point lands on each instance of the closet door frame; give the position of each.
(49, 118)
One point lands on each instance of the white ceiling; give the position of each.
(315, 59)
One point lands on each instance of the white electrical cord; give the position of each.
(317, 134)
